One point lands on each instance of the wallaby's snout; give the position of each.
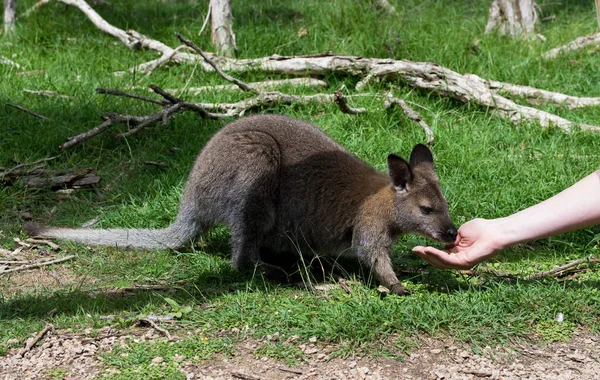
(450, 235)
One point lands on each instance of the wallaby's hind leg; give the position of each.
(247, 238)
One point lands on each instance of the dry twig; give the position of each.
(156, 327)
(561, 269)
(245, 376)
(290, 370)
(260, 86)
(37, 338)
(49, 243)
(15, 169)
(411, 114)
(340, 100)
(576, 44)
(20, 108)
(34, 7)
(45, 93)
(38, 264)
(243, 85)
(344, 285)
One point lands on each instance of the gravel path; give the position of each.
(75, 356)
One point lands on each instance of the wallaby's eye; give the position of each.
(426, 210)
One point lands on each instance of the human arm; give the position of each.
(575, 207)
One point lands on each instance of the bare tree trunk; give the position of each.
(598, 12)
(10, 14)
(515, 18)
(222, 28)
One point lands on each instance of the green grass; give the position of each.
(488, 168)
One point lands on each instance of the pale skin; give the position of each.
(481, 239)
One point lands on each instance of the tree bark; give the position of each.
(10, 14)
(222, 28)
(514, 18)
(598, 12)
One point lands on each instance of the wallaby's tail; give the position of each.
(182, 231)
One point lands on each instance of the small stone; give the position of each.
(310, 351)
(312, 339)
(158, 360)
(435, 351)
(352, 364)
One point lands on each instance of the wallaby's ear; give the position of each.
(399, 171)
(421, 155)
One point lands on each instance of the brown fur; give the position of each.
(281, 185)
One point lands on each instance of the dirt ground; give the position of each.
(76, 356)
(62, 354)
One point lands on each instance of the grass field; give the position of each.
(488, 168)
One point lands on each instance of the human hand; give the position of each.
(478, 240)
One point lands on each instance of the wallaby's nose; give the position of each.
(451, 234)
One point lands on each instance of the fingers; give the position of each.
(442, 259)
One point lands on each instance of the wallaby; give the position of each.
(281, 185)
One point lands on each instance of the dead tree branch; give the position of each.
(537, 96)
(411, 114)
(259, 86)
(15, 169)
(420, 75)
(576, 44)
(242, 85)
(156, 327)
(20, 108)
(425, 76)
(32, 342)
(45, 93)
(562, 268)
(38, 264)
(34, 7)
(340, 100)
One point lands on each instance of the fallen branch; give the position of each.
(411, 114)
(4, 251)
(13, 262)
(34, 7)
(37, 338)
(6, 61)
(578, 43)
(20, 108)
(260, 86)
(340, 100)
(38, 265)
(559, 270)
(344, 285)
(156, 327)
(162, 165)
(45, 93)
(537, 96)
(244, 376)
(420, 75)
(49, 243)
(242, 85)
(15, 169)
(172, 106)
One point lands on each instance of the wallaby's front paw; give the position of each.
(399, 290)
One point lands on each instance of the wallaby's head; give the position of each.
(421, 206)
